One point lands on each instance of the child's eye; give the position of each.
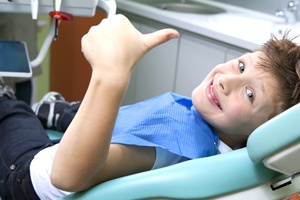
(241, 67)
(250, 95)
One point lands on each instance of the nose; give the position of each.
(229, 82)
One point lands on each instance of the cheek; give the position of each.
(197, 95)
(234, 120)
(236, 111)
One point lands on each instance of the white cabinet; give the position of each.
(196, 59)
(155, 73)
(178, 65)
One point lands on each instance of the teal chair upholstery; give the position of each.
(233, 175)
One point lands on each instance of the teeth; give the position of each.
(212, 94)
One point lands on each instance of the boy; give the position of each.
(234, 99)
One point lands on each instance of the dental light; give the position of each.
(84, 8)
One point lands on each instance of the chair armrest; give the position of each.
(199, 178)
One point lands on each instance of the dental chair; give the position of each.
(268, 168)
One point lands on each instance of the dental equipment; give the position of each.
(34, 9)
(86, 8)
(57, 15)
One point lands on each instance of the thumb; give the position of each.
(158, 37)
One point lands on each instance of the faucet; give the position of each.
(289, 13)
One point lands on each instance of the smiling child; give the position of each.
(103, 141)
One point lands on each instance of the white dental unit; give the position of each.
(85, 8)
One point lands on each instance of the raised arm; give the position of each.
(85, 156)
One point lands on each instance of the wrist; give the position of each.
(112, 81)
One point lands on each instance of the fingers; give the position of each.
(151, 40)
(154, 39)
(108, 43)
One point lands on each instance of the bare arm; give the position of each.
(85, 156)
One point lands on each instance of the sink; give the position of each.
(242, 26)
(243, 22)
(183, 6)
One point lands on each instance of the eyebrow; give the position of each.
(250, 62)
(262, 87)
(248, 58)
(263, 97)
(262, 84)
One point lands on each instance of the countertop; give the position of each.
(238, 26)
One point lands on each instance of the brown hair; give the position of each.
(281, 57)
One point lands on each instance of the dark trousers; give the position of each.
(67, 116)
(21, 137)
(24, 91)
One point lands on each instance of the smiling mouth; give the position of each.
(214, 97)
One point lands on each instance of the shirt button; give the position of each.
(12, 167)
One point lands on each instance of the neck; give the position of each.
(233, 141)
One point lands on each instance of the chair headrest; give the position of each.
(275, 135)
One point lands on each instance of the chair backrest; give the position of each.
(276, 143)
(273, 147)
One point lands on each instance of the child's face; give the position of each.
(236, 97)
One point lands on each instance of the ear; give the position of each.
(298, 68)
